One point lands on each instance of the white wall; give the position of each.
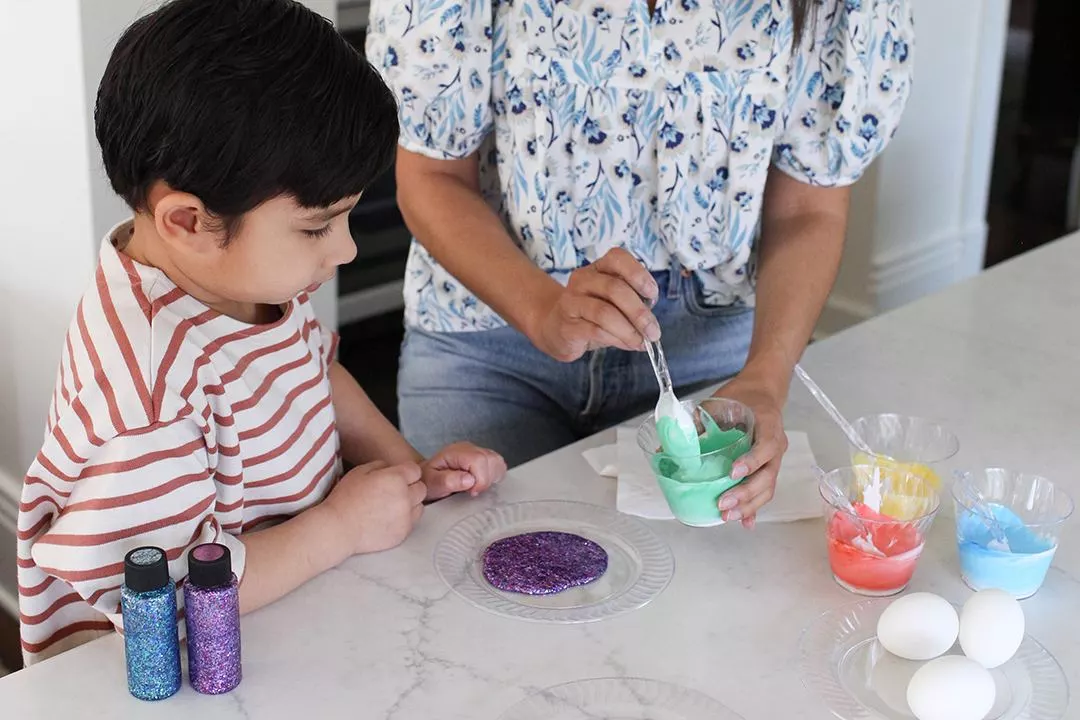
(918, 220)
(58, 207)
(46, 228)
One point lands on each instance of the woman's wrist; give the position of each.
(540, 295)
(771, 374)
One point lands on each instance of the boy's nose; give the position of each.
(344, 249)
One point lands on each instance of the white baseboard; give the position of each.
(905, 274)
(10, 491)
(841, 313)
(9, 602)
(364, 304)
(916, 269)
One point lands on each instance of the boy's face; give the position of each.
(279, 250)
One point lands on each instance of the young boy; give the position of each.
(198, 399)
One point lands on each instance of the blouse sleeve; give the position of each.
(436, 57)
(849, 82)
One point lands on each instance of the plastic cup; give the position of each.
(915, 443)
(692, 485)
(1028, 509)
(883, 562)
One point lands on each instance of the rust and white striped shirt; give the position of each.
(170, 425)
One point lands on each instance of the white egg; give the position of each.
(951, 688)
(919, 626)
(991, 627)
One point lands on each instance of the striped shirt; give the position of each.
(171, 425)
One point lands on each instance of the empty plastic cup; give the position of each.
(692, 485)
(1007, 528)
(871, 552)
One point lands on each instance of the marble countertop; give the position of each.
(996, 359)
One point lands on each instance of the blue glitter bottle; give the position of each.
(151, 639)
(212, 617)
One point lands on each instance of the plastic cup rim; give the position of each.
(872, 521)
(1057, 489)
(954, 440)
(695, 403)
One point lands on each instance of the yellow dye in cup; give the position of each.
(906, 490)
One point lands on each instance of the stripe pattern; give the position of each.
(170, 425)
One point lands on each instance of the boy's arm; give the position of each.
(372, 508)
(155, 486)
(284, 557)
(366, 434)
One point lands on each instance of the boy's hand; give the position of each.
(377, 505)
(460, 467)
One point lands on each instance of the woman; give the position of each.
(580, 175)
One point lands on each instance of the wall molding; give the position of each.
(905, 274)
(10, 492)
(9, 602)
(10, 495)
(840, 313)
(897, 266)
(916, 269)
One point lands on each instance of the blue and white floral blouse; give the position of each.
(599, 125)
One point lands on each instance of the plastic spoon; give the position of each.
(979, 505)
(863, 541)
(823, 399)
(676, 427)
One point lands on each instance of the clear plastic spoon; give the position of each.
(838, 418)
(978, 504)
(863, 540)
(676, 427)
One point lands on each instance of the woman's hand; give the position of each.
(605, 304)
(762, 464)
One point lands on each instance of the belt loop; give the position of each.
(674, 280)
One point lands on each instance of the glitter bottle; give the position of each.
(151, 641)
(212, 615)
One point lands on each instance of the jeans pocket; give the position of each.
(694, 301)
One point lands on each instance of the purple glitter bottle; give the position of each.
(212, 616)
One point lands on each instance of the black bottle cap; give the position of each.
(209, 565)
(146, 569)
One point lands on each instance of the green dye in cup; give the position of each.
(677, 440)
(692, 486)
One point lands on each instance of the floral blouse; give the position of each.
(601, 125)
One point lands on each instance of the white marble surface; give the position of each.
(997, 359)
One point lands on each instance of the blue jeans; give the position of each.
(494, 388)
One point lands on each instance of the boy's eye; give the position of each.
(319, 232)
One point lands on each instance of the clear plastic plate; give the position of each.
(619, 699)
(857, 679)
(640, 564)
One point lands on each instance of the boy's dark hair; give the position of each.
(240, 101)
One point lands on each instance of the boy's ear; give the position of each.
(181, 220)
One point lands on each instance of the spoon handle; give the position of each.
(979, 505)
(834, 413)
(835, 496)
(660, 367)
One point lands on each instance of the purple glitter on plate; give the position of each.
(543, 563)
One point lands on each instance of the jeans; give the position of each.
(495, 389)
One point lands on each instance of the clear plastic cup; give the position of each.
(692, 485)
(916, 443)
(882, 561)
(1027, 510)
